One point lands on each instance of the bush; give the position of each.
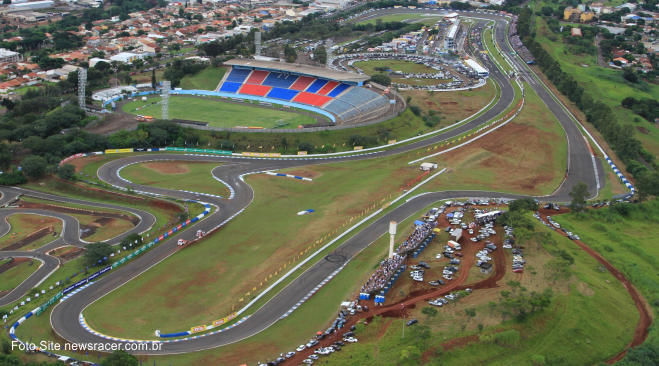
(10, 179)
(306, 146)
(65, 171)
(416, 110)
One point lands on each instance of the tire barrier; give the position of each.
(288, 175)
(619, 174)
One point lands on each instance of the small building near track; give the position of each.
(486, 268)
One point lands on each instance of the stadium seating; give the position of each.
(280, 80)
(312, 99)
(257, 77)
(230, 87)
(342, 109)
(252, 89)
(302, 82)
(364, 99)
(285, 94)
(316, 85)
(338, 90)
(327, 88)
(238, 75)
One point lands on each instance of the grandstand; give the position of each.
(339, 93)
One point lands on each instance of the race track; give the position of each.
(65, 315)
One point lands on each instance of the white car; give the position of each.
(301, 348)
(308, 361)
(450, 297)
(447, 272)
(290, 354)
(448, 277)
(471, 231)
(314, 357)
(473, 239)
(439, 256)
(417, 278)
(350, 340)
(507, 246)
(436, 303)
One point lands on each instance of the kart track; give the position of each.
(65, 315)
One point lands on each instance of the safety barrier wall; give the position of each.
(622, 177)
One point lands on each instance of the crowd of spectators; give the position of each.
(517, 42)
(381, 275)
(388, 267)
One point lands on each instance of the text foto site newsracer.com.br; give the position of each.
(50, 346)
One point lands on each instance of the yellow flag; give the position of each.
(273, 148)
(344, 144)
(241, 299)
(247, 294)
(301, 253)
(334, 145)
(285, 264)
(261, 284)
(322, 146)
(248, 146)
(261, 147)
(254, 289)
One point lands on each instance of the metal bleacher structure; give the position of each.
(339, 93)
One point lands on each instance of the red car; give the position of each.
(457, 254)
(519, 270)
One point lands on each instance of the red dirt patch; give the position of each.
(17, 261)
(79, 211)
(29, 239)
(67, 253)
(168, 167)
(79, 163)
(643, 130)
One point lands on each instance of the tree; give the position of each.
(557, 269)
(421, 332)
(579, 194)
(133, 240)
(34, 166)
(120, 358)
(525, 204)
(470, 313)
(8, 103)
(65, 171)
(5, 156)
(102, 66)
(290, 55)
(6, 346)
(153, 79)
(492, 306)
(97, 252)
(381, 79)
(429, 312)
(410, 354)
(306, 146)
(320, 55)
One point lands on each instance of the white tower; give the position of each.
(166, 86)
(328, 46)
(257, 43)
(82, 81)
(392, 234)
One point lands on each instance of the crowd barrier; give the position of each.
(619, 174)
(288, 175)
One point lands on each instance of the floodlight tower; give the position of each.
(257, 43)
(392, 233)
(166, 86)
(82, 82)
(328, 47)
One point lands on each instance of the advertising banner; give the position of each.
(199, 328)
(75, 286)
(141, 149)
(262, 155)
(118, 151)
(302, 153)
(358, 147)
(224, 320)
(99, 273)
(392, 142)
(179, 227)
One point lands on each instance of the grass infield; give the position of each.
(15, 276)
(220, 114)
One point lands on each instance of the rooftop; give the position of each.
(299, 69)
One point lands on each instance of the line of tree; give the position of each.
(620, 137)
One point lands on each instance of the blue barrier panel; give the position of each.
(180, 334)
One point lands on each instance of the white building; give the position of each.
(95, 60)
(33, 5)
(480, 70)
(452, 33)
(9, 56)
(128, 57)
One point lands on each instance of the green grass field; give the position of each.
(15, 276)
(176, 175)
(220, 114)
(403, 66)
(208, 79)
(25, 224)
(624, 235)
(417, 18)
(604, 84)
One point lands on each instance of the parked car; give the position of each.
(424, 265)
(433, 283)
(449, 297)
(436, 303)
(314, 357)
(350, 340)
(312, 343)
(308, 361)
(290, 354)
(412, 322)
(301, 348)
(417, 278)
(339, 343)
(348, 334)
(448, 277)
(518, 270)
